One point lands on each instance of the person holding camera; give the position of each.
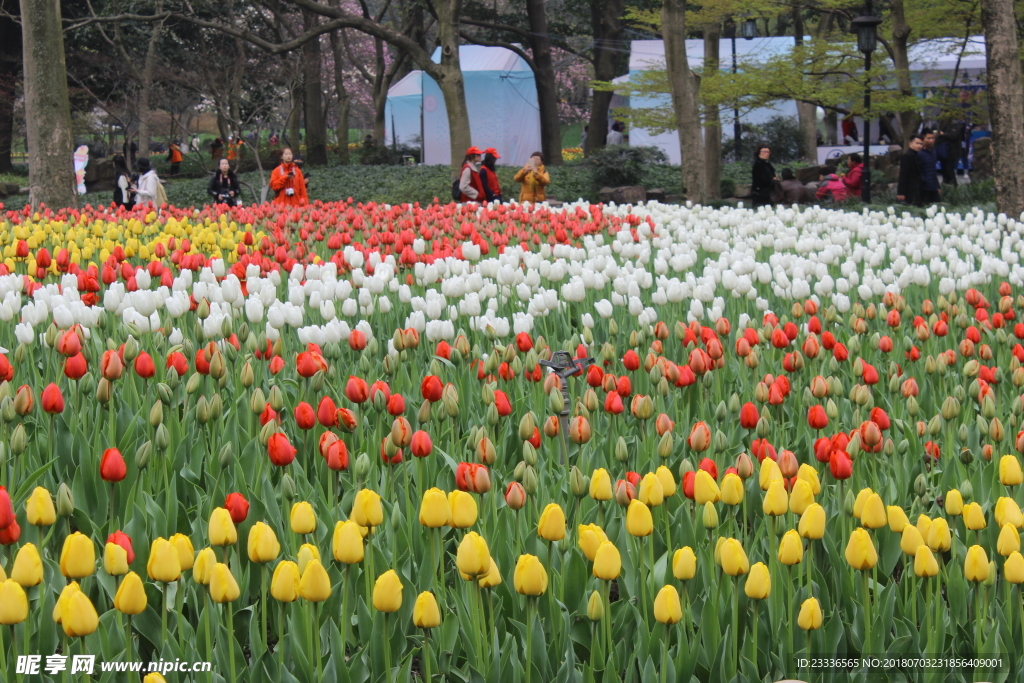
(223, 185)
(288, 183)
(534, 178)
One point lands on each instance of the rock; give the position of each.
(741, 191)
(811, 174)
(9, 189)
(983, 169)
(656, 195)
(629, 194)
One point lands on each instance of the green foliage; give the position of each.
(619, 165)
(384, 155)
(780, 133)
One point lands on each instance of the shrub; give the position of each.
(619, 165)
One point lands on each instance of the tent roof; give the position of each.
(484, 58)
(411, 84)
(938, 54)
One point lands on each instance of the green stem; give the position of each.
(230, 640)
(163, 619)
(736, 622)
(345, 617)
(789, 611)
(263, 608)
(280, 638)
(206, 616)
(754, 625)
(664, 655)
(387, 651)
(426, 655)
(3, 653)
(530, 609)
(867, 612)
(316, 639)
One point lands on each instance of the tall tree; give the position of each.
(51, 177)
(685, 104)
(10, 69)
(806, 111)
(712, 114)
(316, 128)
(547, 91)
(1006, 103)
(608, 60)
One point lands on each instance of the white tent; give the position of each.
(402, 111)
(501, 96)
(932, 64)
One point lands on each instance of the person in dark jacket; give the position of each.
(793, 191)
(927, 160)
(908, 184)
(762, 177)
(489, 176)
(123, 193)
(952, 137)
(223, 185)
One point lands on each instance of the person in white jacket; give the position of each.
(148, 182)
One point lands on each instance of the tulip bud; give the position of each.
(556, 402)
(202, 410)
(103, 390)
(192, 385)
(423, 414)
(142, 455)
(276, 398)
(529, 454)
(7, 409)
(579, 485)
(666, 443)
(247, 376)
(621, 450)
(65, 501)
(530, 481)
(921, 485)
(161, 438)
(595, 607)
(226, 455)
(267, 431)
(19, 440)
(710, 516)
(362, 466)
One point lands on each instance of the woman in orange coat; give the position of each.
(534, 178)
(287, 182)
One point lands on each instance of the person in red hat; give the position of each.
(489, 176)
(469, 180)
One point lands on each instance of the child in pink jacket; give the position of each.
(832, 187)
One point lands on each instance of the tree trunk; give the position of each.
(316, 129)
(806, 112)
(547, 90)
(909, 120)
(344, 102)
(1005, 103)
(8, 76)
(294, 117)
(712, 116)
(47, 107)
(146, 86)
(607, 21)
(684, 86)
(451, 82)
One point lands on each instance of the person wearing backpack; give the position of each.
(149, 187)
(124, 186)
(489, 176)
(471, 189)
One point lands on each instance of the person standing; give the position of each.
(216, 149)
(616, 137)
(174, 156)
(471, 186)
(489, 176)
(762, 177)
(849, 131)
(853, 178)
(929, 192)
(223, 185)
(149, 183)
(952, 137)
(908, 184)
(534, 178)
(124, 192)
(288, 183)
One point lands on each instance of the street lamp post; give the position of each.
(749, 33)
(866, 27)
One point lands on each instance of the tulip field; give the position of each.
(377, 443)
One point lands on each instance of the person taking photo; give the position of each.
(288, 183)
(223, 185)
(534, 179)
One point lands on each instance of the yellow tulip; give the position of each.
(1009, 541)
(954, 503)
(206, 560)
(791, 548)
(347, 544)
(551, 526)
(938, 535)
(872, 513)
(223, 587)
(734, 559)
(976, 564)
(473, 557)
(710, 516)
(639, 521)
(78, 616)
(530, 577)
(925, 565)
(284, 587)
(862, 498)
(607, 562)
(263, 545)
(154, 678)
(425, 613)
(705, 490)
(1010, 473)
(28, 567)
(684, 564)
(62, 599)
(732, 489)
(131, 595)
(39, 510)
(464, 510)
(78, 556)
(164, 564)
(601, 485)
(221, 528)
(809, 618)
(367, 509)
(492, 578)
(590, 536)
(307, 553)
(651, 492)
(769, 472)
(302, 518)
(801, 497)
(812, 522)
(775, 502)
(434, 510)
(115, 560)
(186, 553)
(668, 481)
(897, 519)
(387, 592)
(911, 540)
(860, 551)
(759, 582)
(13, 603)
(667, 608)
(1008, 512)
(595, 607)
(924, 525)
(974, 517)
(314, 584)
(810, 475)
(1013, 569)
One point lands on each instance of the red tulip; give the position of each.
(144, 366)
(6, 369)
(664, 424)
(305, 418)
(308, 363)
(689, 479)
(631, 361)
(280, 450)
(52, 400)
(268, 414)
(515, 495)
(11, 534)
(443, 350)
(879, 417)
(112, 467)
(396, 405)
(749, 416)
(839, 352)
(462, 476)
(356, 389)
(523, 342)
(502, 403)
(276, 365)
(840, 465)
(421, 445)
(594, 376)
(709, 466)
(75, 367)
(337, 456)
(623, 386)
(816, 418)
(69, 343)
(178, 361)
(6, 509)
(237, 506)
(431, 388)
(613, 403)
(122, 539)
(357, 340)
(823, 449)
(700, 437)
(347, 419)
(326, 412)
(392, 460)
(761, 449)
(383, 388)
